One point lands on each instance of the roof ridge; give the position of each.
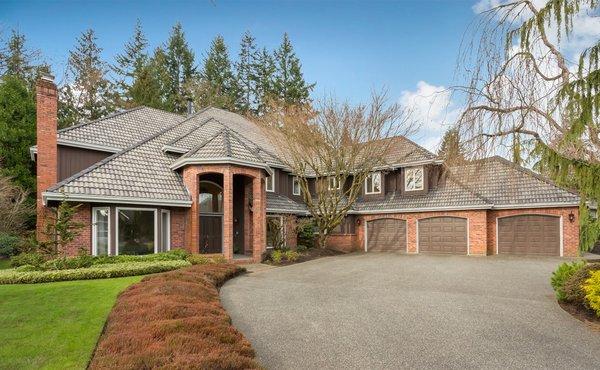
(116, 155)
(255, 152)
(202, 144)
(112, 115)
(227, 142)
(416, 145)
(193, 129)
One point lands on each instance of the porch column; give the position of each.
(259, 210)
(192, 237)
(228, 213)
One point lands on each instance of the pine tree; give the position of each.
(289, 84)
(265, 72)
(182, 71)
(130, 65)
(151, 87)
(16, 59)
(451, 149)
(218, 86)
(247, 77)
(93, 94)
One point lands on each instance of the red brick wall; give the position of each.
(178, 228)
(343, 242)
(570, 230)
(83, 241)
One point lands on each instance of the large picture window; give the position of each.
(413, 179)
(136, 231)
(100, 231)
(373, 183)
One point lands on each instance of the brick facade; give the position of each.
(482, 229)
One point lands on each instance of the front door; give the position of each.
(211, 234)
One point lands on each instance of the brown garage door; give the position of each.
(443, 235)
(529, 234)
(386, 235)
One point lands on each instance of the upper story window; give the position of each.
(295, 186)
(270, 181)
(334, 183)
(373, 183)
(413, 179)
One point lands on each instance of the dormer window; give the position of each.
(413, 179)
(373, 183)
(295, 186)
(270, 182)
(334, 183)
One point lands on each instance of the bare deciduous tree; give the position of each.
(14, 207)
(332, 148)
(523, 92)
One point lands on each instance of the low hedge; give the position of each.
(23, 276)
(591, 287)
(174, 321)
(573, 287)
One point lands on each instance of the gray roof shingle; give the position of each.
(277, 203)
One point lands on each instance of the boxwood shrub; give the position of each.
(111, 270)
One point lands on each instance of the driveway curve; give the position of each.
(398, 311)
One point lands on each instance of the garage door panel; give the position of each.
(529, 234)
(386, 235)
(443, 235)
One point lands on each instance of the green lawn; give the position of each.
(4, 263)
(54, 325)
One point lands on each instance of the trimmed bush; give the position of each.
(277, 256)
(562, 274)
(9, 244)
(291, 256)
(112, 270)
(174, 321)
(572, 288)
(32, 259)
(591, 287)
(198, 259)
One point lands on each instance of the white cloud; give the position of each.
(432, 107)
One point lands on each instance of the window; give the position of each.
(296, 186)
(334, 183)
(100, 231)
(210, 197)
(136, 231)
(270, 181)
(413, 179)
(373, 183)
(165, 230)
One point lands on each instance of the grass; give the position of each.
(54, 325)
(174, 320)
(4, 263)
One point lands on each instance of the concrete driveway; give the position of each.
(398, 311)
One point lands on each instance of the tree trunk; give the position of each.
(322, 240)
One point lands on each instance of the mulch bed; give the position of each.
(174, 320)
(582, 314)
(311, 254)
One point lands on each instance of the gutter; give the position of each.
(76, 144)
(225, 160)
(46, 196)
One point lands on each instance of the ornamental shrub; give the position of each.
(563, 272)
(591, 287)
(13, 276)
(198, 259)
(277, 256)
(32, 258)
(572, 288)
(8, 244)
(291, 255)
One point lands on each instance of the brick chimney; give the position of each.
(47, 157)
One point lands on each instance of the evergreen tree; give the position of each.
(218, 86)
(130, 65)
(93, 94)
(17, 131)
(265, 89)
(151, 87)
(451, 148)
(290, 87)
(16, 59)
(247, 77)
(180, 64)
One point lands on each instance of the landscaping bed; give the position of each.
(577, 288)
(302, 256)
(174, 320)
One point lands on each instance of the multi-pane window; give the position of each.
(413, 179)
(270, 181)
(373, 183)
(334, 183)
(296, 186)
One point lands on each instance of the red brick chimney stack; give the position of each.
(47, 157)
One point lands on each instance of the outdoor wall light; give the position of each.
(571, 217)
(358, 221)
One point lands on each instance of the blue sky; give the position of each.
(348, 48)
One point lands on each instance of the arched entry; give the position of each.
(210, 204)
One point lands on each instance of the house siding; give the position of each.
(72, 160)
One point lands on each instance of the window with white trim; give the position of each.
(413, 179)
(373, 183)
(295, 186)
(270, 182)
(137, 231)
(100, 231)
(334, 183)
(165, 230)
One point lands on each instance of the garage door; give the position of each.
(386, 235)
(443, 235)
(529, 234)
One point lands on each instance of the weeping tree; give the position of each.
(332, 148)
(528, 92)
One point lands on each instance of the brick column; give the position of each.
(192, 232)
(228, 213)
(47, 157)
(259, 208)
